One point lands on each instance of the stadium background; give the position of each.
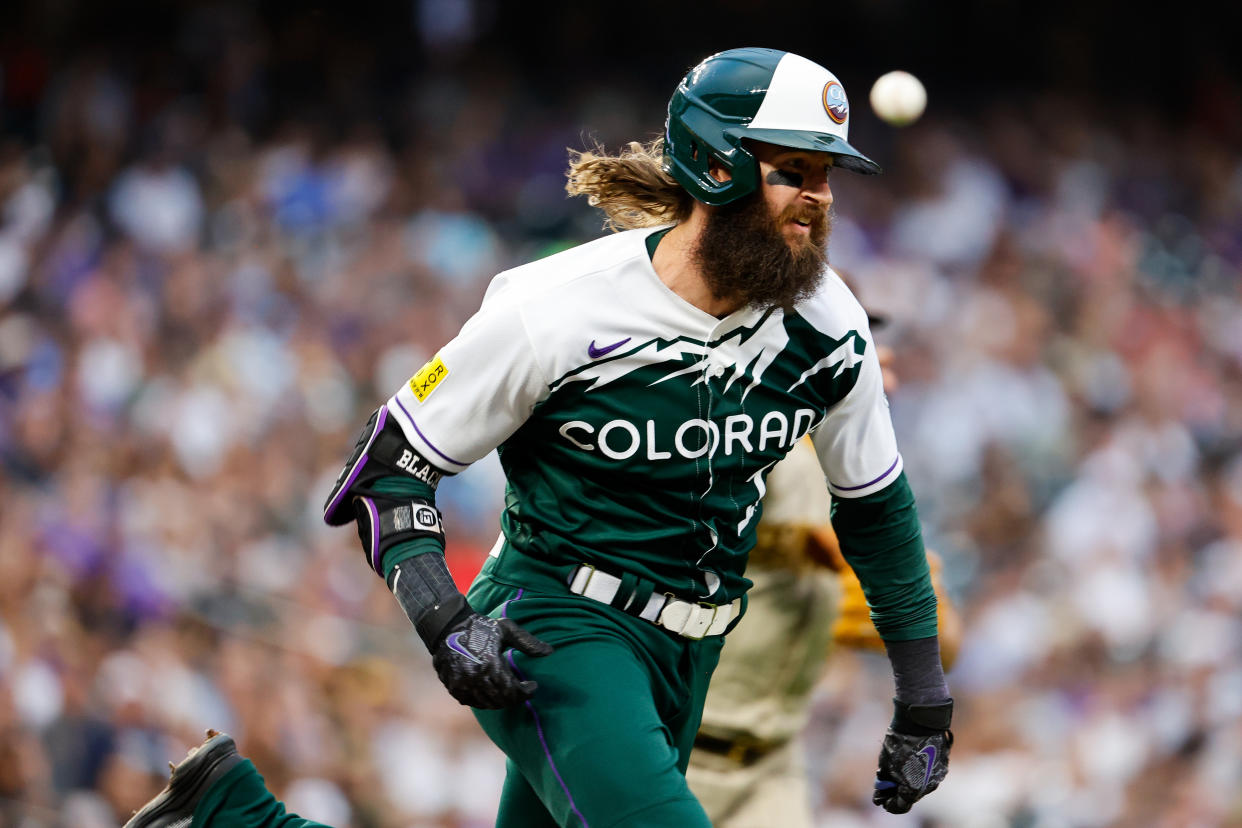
(228, 230)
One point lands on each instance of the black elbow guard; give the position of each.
(383, 520)
(380, 450)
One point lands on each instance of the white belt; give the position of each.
(685, 618)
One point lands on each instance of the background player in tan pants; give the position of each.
(747, 767)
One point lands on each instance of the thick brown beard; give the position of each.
(744, 255)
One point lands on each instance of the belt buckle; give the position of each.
(573, 583)
(699, 621)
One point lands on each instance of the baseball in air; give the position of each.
(898, 98)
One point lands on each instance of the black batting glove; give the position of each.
(471, 652)
(915, 756)
(475, 661)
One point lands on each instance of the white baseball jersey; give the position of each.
(635, 429)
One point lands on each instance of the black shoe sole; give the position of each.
(174, 806)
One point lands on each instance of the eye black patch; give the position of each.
(784, 178)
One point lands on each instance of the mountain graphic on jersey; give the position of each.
(673, 437)
(749, 359)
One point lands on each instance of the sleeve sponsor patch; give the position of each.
(428, 379)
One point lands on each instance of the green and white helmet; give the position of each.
(760, 95)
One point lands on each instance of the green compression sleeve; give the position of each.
(881, 540)
(406, 487)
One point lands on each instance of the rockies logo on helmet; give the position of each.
(835, 104)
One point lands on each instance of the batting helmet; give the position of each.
(760, 95)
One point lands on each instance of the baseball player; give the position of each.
(638, 389)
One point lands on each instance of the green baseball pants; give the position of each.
(606, 739)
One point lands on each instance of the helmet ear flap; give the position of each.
(693, 138)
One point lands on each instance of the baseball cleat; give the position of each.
(202, 767)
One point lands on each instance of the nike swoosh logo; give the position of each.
(930, 753)
(596, 353)
(454, 644)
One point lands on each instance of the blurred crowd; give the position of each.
(196, 315)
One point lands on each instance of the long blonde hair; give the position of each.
(631, 188)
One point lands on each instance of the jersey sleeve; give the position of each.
(475, 392)
(855, 441)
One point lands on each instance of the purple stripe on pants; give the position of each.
(539, 725)
(504, 609)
